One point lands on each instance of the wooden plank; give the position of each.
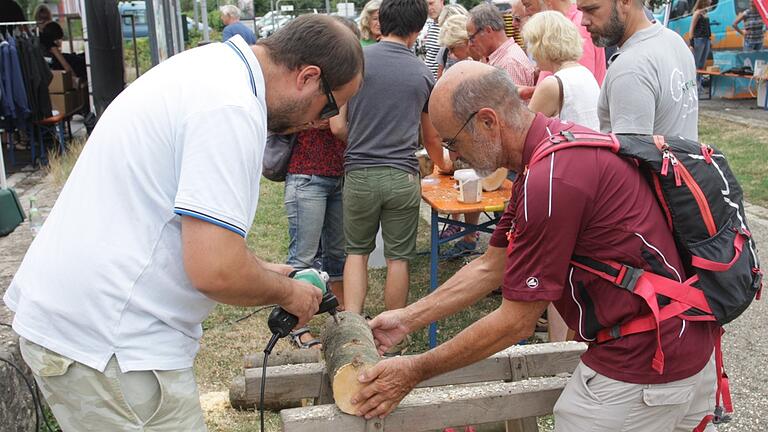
(494, 368)
(519, 367)
(303, 381)
(289, 382)
(528, 424)
(298, 356)
(552, 358)
(436, 408)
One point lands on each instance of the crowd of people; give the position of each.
(121, 325)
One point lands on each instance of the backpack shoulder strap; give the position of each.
(568, 139)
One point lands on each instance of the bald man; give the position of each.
(563, 206)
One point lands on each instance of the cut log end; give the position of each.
(346, 385)
(349, 350)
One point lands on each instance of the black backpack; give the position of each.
(703, 205)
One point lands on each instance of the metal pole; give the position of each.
(667, 11)
(204, 16)
(195, 6)
(154, 48)
(135, 48)
(273, 14)
(328, 7)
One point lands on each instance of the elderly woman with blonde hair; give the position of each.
(370, 28)
(572, 92)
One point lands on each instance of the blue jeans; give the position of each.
(757, 46)
(314, 207)
(701, 48)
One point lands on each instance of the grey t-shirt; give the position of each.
(384, 116)
(650, 87)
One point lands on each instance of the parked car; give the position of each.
(722, 14)
(138, 10)
(272, 26)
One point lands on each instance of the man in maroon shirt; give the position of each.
(577, 201)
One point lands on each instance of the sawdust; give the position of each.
(214, 401)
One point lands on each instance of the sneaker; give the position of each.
(460, 249)
(449, 231)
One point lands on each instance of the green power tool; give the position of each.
(281, 322)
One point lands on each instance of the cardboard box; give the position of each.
(61, 82)
(65, 103)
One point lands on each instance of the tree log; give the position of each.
(297, 356)
(349, 349)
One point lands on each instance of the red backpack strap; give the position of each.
(723, 391)
(647, 285)
(568, 139)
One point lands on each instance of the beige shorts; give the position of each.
(592, 402)
(84, 399)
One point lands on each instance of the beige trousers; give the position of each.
(592, 402)
(84, 399)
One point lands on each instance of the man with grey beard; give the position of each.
(650, 87)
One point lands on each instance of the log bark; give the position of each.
(298, 356)
(349, 349)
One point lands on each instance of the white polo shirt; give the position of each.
(105, 275)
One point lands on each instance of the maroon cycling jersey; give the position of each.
(591, 202)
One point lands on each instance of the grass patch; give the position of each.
(747, 151)
(60, 164)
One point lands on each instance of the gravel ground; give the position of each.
(745, 350)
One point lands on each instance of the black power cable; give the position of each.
(33, 392)
(267, 351)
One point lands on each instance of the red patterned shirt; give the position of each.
(317, 152)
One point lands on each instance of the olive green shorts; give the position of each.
(381, 196)
(84, 399)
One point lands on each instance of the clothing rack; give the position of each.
(15, 23)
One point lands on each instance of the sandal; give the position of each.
(460, 249)
(449, 230)
(296, 339)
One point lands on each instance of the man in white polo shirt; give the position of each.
(149, 231)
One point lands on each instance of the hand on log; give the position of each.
(388, 329)
(388, 382)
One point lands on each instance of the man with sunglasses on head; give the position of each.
(381, 127)
(149, 231)
(487, 37)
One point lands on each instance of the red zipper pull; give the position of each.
(665, 164)
(707, 151)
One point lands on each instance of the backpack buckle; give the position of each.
(628, 277)
(720, 417)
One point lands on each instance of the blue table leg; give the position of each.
(433, 261)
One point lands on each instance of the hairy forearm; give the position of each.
(493, 333)
(251, 283)
(467, 286)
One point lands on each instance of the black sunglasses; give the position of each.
(330, 109)
(450, 145)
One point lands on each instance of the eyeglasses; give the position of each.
(330, 109)
(517, 19)
(450, 145)
(471, 37)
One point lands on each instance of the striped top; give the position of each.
(432, 46)
(512, 31)
(753, 27)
